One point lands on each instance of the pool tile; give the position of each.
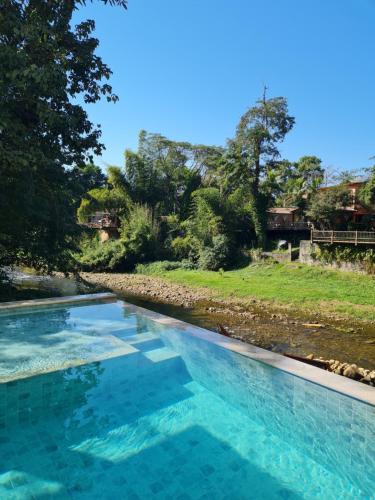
(174, 416)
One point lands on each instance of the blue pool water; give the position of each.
(146, 410)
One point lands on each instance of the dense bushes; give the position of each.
(138, 243)
(160, 267)
(107, 256)
(216, 255)
(208, 237)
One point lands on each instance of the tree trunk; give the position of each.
(257, 203)
(259, 219)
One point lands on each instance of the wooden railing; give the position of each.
(288, 226)
(101, 221)
(351, 237)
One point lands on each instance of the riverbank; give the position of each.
(293, 288)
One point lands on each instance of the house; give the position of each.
(286, 219)
(354, 214)
(107, 224)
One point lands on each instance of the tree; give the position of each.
(327, 207)
(46, 138)
(367, 193)
(113, 198)
(253, 150)
(163, 173)
(291, 183)
(85, 178)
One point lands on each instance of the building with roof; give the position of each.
(286, 219)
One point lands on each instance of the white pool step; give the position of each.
(161, 354)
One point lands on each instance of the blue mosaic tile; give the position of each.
(175, 417)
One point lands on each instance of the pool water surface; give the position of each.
(99, 401)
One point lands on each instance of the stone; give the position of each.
(350, 371)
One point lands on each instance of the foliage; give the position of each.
(326, 207)
(185, 247)
(107, 256)
(138, 243)
(207, 229)
(215, 256)
(164, 173)
(112, 198)
(140, 234)
(160, 267)
(367, 193)
(292, 182)
(46, 138)
(340, 253)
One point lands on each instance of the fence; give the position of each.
(351, 237)
(102, 220)
(288, 226)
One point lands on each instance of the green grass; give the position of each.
(294, 285)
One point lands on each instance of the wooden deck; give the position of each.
(350, 237)
(102, 220)
(288, 226)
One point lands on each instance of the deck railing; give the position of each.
(288, 226)
(351, 237)
(101, 221)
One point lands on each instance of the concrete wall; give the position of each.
(307, 249)
(280, 256)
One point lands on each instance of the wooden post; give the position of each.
(331, 237)
(356, 238)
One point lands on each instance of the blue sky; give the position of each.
(189, 69)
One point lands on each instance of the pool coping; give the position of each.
(338, 383)
(69, 299)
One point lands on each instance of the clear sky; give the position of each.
(189, 68)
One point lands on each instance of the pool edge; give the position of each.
(337, 383)
(70, 299)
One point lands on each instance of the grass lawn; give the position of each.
(296, 285)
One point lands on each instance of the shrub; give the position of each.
(339, 253)
(216, 256)
(162, 266)
(185, 247)
(107, 256)
(140, 235)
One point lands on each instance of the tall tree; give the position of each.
(291, 183)
(327, 208)
(163, 173)
(253, 150)
(45, 135)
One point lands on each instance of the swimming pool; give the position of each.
(106, 400)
